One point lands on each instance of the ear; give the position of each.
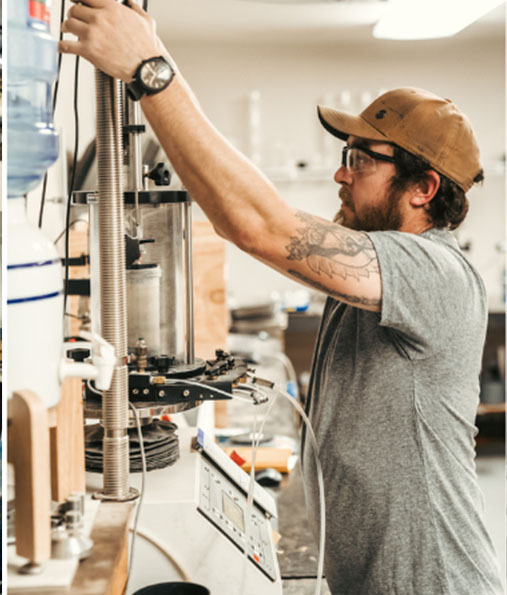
(425, 190)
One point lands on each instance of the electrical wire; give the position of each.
(320, 478)
(248, 509)
(320, 481)
(55, 97)
(71, 185)
(290, 371)
(62, 233)
(238, 398)
(141, 497)
(92, 389)
(75, 316)
(163, 550)
(251, 485)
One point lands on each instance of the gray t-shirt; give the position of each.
(392, 401)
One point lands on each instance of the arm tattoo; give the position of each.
(335, 251)
(351, 299)
(332, 249)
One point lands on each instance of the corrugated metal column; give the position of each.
(113, 285)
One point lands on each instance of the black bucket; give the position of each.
(173, 589)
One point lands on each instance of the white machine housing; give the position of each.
(198, 510)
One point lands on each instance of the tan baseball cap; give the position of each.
(421, 123)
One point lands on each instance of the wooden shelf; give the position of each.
(485, 408)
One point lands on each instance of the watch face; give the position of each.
(155, 74)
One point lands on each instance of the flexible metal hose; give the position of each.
(113, 283)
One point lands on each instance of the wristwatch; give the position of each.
(151, 76)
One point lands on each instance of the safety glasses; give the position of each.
(362, 160)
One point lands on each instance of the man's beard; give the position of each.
(383, 217)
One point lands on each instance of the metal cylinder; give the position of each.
(143, 307)
(113, 283)
(164, 224)
(94, 251)
(189, 290)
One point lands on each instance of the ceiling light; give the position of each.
(318, 1)
(428, 19)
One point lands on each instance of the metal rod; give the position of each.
(189, 292)
(135, 180)
(94, 251)
(113, 284)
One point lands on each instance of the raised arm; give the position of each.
(238, 199)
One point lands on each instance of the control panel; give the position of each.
(246, 526)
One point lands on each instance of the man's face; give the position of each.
(368, 202)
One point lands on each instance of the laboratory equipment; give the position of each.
(197, 511)
(157, 253)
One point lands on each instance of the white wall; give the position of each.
(291, 79)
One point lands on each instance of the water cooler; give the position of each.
(35, 287)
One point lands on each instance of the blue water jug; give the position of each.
(32, 69)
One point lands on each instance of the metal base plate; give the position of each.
(93, 409)
(133, 494)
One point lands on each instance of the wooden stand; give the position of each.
(46, 448)
(67, 443)
(28, 451)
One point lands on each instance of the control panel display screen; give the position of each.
(233, 512)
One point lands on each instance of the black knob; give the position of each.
(221, 354)
(79, 354)
(162, 363)
(160, 174)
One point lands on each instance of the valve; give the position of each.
(102, 368)
(160, 174)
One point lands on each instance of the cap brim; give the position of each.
(343, 125)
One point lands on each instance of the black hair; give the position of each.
(449, 206)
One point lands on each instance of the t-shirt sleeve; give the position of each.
(428, 290)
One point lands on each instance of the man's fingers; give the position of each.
(94, 3)
(82, 13)
(101, 3)
(68, 47)
(105, 29)
(77, 28)
(136, 8)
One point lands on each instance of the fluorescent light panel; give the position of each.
(428, 19)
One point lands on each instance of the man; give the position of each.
(394, 387)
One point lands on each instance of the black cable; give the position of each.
(55, 96)
(71, 185)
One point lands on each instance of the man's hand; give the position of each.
(113, 37)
